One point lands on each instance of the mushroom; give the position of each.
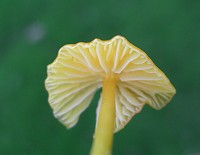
(128, 77)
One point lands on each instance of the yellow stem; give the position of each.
(103, 139)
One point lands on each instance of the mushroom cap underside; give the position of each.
(79, 69)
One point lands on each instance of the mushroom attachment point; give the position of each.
(128, 77)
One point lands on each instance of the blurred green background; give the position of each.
(31, 32)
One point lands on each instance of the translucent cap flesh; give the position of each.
(79, 69)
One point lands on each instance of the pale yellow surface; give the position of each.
(103, 137)
(78, 72)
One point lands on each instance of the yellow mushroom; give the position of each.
(128, 77)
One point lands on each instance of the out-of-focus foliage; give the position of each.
(31, 32)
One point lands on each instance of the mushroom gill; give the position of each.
(80, 69)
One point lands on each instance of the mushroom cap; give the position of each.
(79, 69)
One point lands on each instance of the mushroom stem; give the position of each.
(103, 139)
